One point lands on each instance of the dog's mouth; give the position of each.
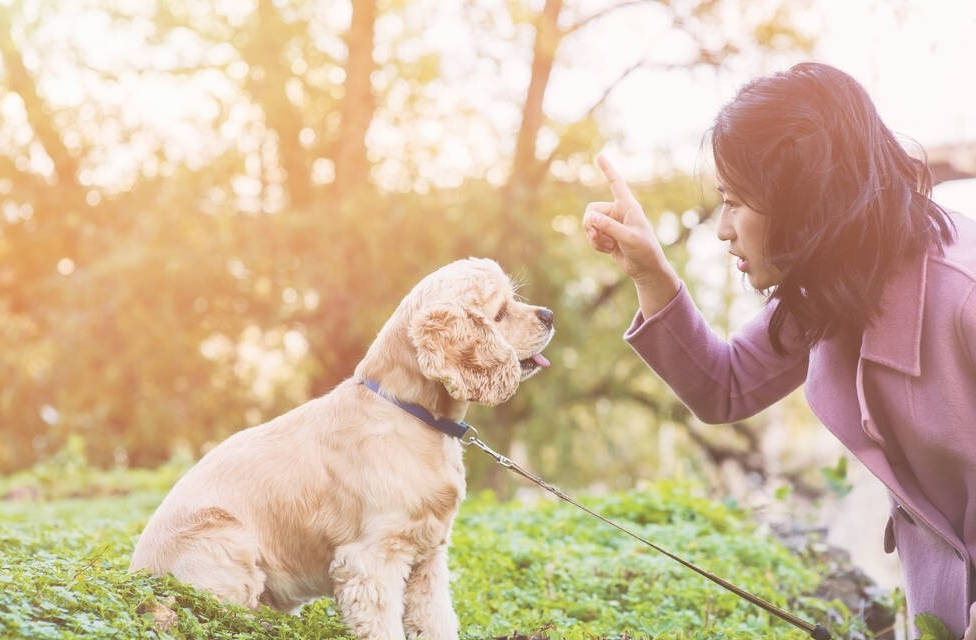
(537, 361)
(533, 364)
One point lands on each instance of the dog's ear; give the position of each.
(431, 332)
(462, 350)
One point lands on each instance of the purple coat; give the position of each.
(903, 402)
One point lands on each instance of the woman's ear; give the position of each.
(464, 352)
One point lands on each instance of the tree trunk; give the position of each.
(266, 50)
(358, 103)
(525, 176)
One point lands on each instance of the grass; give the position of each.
(544, 569)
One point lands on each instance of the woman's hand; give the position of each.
(621, 229)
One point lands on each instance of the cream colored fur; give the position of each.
(348, 495)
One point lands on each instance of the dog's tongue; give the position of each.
(540, 360)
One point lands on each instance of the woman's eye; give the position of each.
(501, 313)
(730, 204)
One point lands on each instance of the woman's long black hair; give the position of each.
(847, 204)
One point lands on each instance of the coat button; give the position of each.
(889, 536)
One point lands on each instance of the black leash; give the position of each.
(818, 632)
(468, 435)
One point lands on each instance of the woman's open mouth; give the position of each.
(741, 263)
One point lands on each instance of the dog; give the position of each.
(349, 495)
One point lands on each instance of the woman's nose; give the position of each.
(725, 231)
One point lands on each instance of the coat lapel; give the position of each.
(894, 337)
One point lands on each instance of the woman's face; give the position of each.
(745, 230)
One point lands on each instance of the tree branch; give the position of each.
(606, 292)
(603, 13)
(560, 147)
(24, 179)
(749, 459)
(22, 83)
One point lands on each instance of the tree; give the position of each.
(153, 297)
(526, 186)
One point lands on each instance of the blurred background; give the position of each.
(208, 209)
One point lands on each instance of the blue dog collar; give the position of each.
(449, 427)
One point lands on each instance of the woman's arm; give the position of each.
(720, 381)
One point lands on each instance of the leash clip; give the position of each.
(471, 438)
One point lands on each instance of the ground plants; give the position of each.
(519, 568)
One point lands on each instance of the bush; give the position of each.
(546, 568)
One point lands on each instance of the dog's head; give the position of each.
(472, 333)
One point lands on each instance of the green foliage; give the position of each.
(836, 477)
(161, 289)
(69, 474)
(515, 567)
(65, 577)
(783, 492)
(931, 628)
(588, 578)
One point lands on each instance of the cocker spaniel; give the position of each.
(349, 495)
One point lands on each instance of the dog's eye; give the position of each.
(501, 313)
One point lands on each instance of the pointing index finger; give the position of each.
(621, 191)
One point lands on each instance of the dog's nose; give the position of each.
(546, 316)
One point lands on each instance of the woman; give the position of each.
(871, 304)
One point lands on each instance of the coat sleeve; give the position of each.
(719, 381)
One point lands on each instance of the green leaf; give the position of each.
(836, 477)
(931, 627)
